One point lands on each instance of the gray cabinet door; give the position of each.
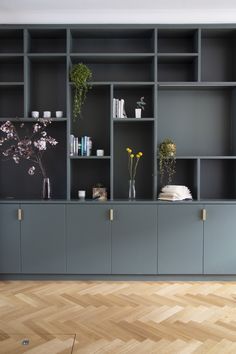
(88, 239)
(134, 239)
(180, 239)
(43, 240)
(9, 239)
(220, 240)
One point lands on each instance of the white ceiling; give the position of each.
(117, 11)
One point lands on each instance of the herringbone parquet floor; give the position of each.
(117, 317)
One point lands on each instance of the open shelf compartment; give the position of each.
(177, 40)
(86, 174)
(199, 121)
(11, 102)
(139, 138)
(113, 41)
(16, 183)
(177, 68)
(185, 174)
(94, 120)
(11, 41)
(218, 179)
(47, 41)
(47, 86)
(11, 69)
(132, 94)
(218, 55)
(125, 68)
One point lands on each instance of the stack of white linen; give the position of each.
(175, 192)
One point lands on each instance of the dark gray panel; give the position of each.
(218, 179)
(47, 41)
(220, 240)
(139, 137)
(198, 121)
(88, 239)
(180, 239)
(134, 239)
(43, 239)
(9, 239)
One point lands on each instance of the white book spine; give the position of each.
(72, 144)
(114, 108)
(76, 146)
(122, 103)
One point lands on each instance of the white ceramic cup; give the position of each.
(35, 114)
(59, 114)
(81, 194)
(100, 152)
(47, 114)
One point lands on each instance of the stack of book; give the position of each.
(174, 193)
(81, 147)
(119, 108)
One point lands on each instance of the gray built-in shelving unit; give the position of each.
(186, 73)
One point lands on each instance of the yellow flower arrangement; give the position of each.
(133, 160)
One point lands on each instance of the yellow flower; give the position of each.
(132, 156)
(140, 154)
(128, 150)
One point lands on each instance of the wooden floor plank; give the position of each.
(138, 317)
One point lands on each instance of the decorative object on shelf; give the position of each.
(80, 75)
(35, 114)
(99, 192)
(167, 159)
(46, 188)
(81, 195)
(119, 108)
(100, 152)
(174, 193)
(133, 161)
(140, 107)
(30, 147)
(47, 114)
(59, 114)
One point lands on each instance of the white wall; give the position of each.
(117, 11)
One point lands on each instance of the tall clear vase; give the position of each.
(46, 188)
(132, 191)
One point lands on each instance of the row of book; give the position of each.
(119, 108)
(80, 146)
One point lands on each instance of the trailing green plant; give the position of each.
(80, 75)
(167, 159)
(141, 103)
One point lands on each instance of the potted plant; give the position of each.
(140, 107)
(167, 159)
(80, 75)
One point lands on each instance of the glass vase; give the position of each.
(132, 191)
(46, 188)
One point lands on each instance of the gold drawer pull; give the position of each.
(20, 214)
(204, 214)
(111, 214)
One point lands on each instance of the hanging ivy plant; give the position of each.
(80, 75)
(167, 159)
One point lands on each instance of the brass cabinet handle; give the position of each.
(111, 214)
(204, 214)
(20, 214)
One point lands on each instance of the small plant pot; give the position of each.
(138, 112)
(171, 149)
